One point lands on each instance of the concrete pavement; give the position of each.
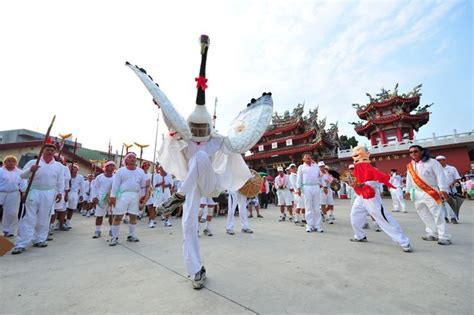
(279, 269)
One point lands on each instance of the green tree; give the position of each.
(347, 143)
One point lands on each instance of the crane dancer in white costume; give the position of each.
(204, 160)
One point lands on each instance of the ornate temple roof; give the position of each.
(421, 118)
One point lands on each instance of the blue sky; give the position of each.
(68, 59)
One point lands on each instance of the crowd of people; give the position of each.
(303, 195)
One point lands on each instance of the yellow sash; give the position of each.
(424, 186)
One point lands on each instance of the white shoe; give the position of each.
(207, 232)
(151, 224)
(113, 241)
(168, 223)
(199, 277)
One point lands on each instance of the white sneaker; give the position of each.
(168, 223)
(151, 224)
(88, 214)
(113, 241)
(207, 232)
(199, 277)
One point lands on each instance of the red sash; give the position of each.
(424, 186)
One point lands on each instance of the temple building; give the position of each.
(391, 122)
(390, 118)
(289, 136)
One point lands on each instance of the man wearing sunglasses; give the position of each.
(427, 188)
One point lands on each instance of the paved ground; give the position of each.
(278, 270)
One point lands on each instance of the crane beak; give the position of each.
(204, 42)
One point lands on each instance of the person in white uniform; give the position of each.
(452, 177)
(236, 198)
(59, 211)
(284, 195)
(100, 196)
(12, 187)
(298, 201)
(88, 204)
(327, 198)
(125, 197)
(46, 188)
(206, 211)
(162, 183)
(427, 188)
(75, 195)
(308, 182)
(397, 192)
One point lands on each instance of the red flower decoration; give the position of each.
(201, 83)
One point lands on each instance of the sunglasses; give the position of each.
(414, 151)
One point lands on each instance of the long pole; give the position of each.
(154, 151)
(46, 137)
(121, 154)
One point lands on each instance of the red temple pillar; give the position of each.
(373, 140)
(410, 134)
(399, 134)
(383, 139)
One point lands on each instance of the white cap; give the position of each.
(326, 167)
(292, 165)
(321, 163)
(351, 166)
(280, 169)
(441, 157)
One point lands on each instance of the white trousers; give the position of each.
(11, 204)
(311, 205)
(397, 199)
(432, 215)
(200, 181)
(383, 218)
(236, 198)
(34, 226)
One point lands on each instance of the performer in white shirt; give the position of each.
(162, 183)
(427, 188)
(87, 196)
(327, 198)
(298, 201)
(100, 196)
(12, 186)
(59, 210)
(452, 177)
(284, 191)
(397, 192)
(206, 211)
(46, 188)
(309, 183)
(237, 199)
(75, 195)
(125, 197)
(148, 205)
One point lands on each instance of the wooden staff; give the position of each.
(141, 146)
(46, 137)
(74, 154)
(121, 155)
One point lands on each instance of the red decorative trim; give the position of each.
(285, 151)
(293, 137)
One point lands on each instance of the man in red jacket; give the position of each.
(368, 200)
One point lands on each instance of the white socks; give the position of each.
(97, 228)
(115, 230)
(131, 229)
